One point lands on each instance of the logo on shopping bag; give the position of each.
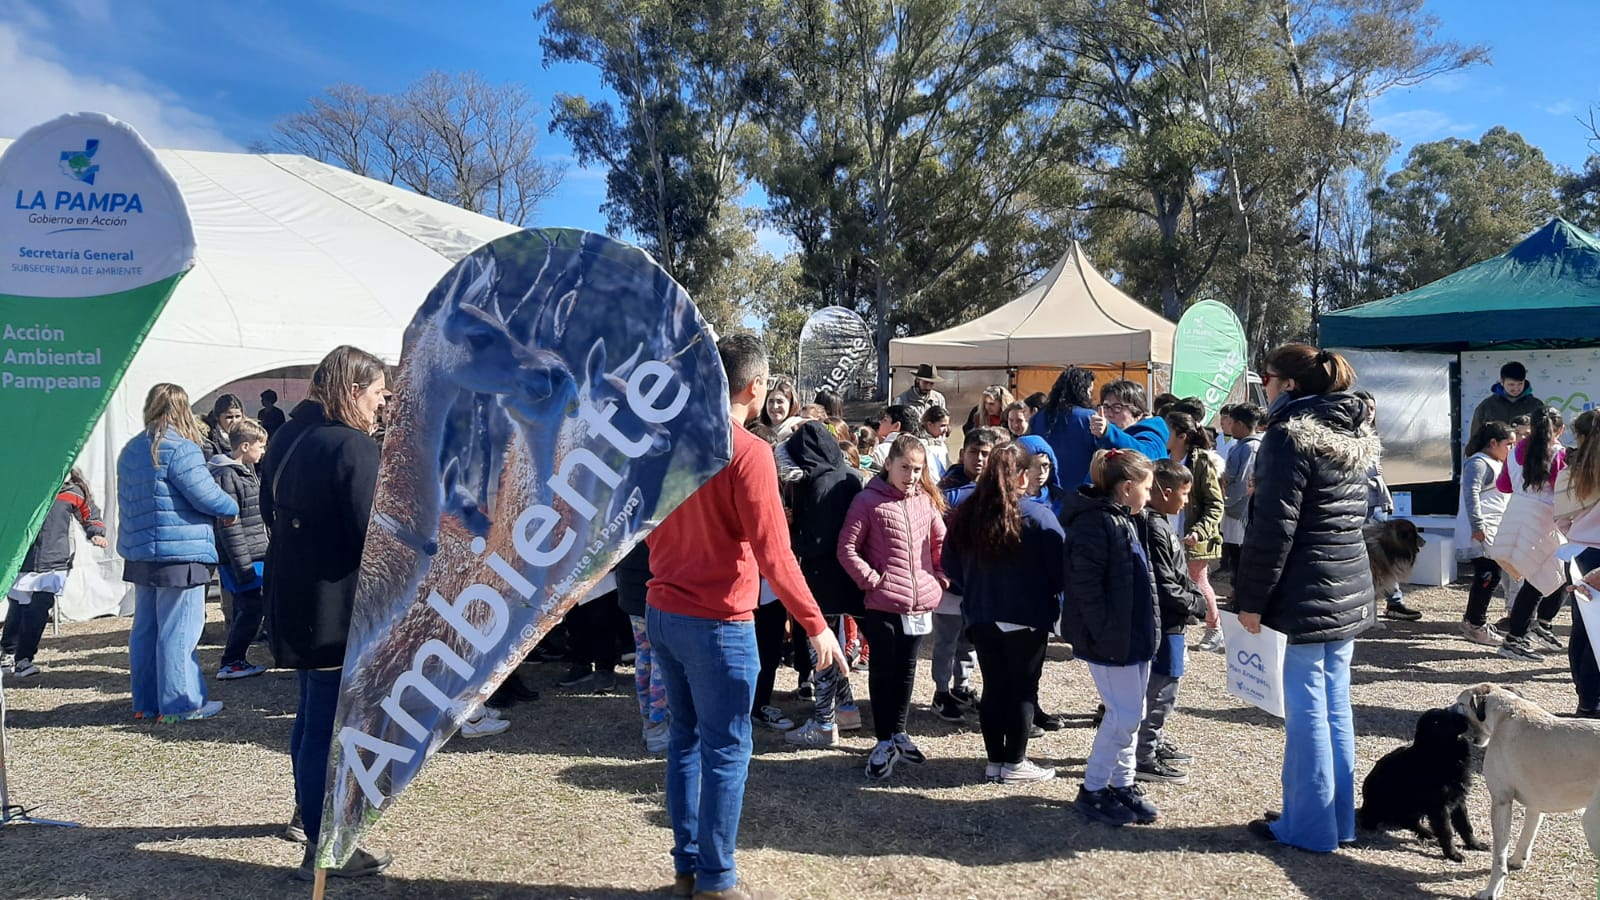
(1251, 660)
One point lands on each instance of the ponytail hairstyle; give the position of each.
(1314, 371)
(989, 523)
(1538, 456)
(1584, 462)
(1110, 468)
(1488, 433)
(1195, 437)
(905, 445)
(167, 406)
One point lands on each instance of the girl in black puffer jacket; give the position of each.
(1110, 618)
(1303, 571)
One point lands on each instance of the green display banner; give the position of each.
(94, 237)
(1209, 356)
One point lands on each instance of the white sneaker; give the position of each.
(656, 735)
(483, 726)
(1210, 642)
(1026, 772)
(492, 713)
(813, 734)
(8, 664)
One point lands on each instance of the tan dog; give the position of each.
(1547, 764)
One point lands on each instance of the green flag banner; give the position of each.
(1208, 356)
(94, 236)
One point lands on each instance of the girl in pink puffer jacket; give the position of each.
(891, 546)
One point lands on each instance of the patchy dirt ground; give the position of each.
(568, 804)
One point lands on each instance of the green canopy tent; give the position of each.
(1432, 354)
(1543, 292)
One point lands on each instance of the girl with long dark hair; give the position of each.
(1004, 555)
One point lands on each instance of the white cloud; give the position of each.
(1561, 108)
(41, 87)
(1414, 126)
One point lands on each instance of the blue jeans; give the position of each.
(710, 669)
(162, 661)
(1319, 756)
(309, 743)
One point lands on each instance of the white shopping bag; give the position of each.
(1255, 664)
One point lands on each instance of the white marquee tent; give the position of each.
(294, 257)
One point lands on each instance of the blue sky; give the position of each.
(216, 75)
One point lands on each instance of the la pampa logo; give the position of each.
(80, 164)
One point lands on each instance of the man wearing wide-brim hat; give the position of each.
(921, 395)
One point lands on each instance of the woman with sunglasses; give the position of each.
(1303, 572)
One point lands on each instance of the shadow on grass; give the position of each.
(129, 861)
(989, 825)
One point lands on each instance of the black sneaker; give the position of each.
(605, 680)
(1538, 632)
(947, 708)
(1172, 753)
(965, 696)
(579, 675)
(1047, 721)
(1035, 731)
(1132, 796)
(1103, 806)
(1397, 609)
(1160, 771)
(1099, 715)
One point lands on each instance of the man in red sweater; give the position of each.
(705, 561)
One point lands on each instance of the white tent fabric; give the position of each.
(294, 257)
(1072, 315)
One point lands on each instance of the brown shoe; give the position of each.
(740, 891)
(683, 886)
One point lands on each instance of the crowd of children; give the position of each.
(990, 554)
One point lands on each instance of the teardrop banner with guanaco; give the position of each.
(557, 396)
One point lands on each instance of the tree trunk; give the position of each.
(884, 333)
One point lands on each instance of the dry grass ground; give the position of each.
(567, 804)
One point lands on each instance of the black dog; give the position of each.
(1428, 779)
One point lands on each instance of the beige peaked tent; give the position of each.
(1072, 316)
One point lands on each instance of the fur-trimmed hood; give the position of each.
(1332, 427)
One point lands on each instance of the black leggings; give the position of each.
(1011, 662)
(593, 628)
(25, 624)
(1522, 609)
(893, 671)
(770, 620)
(1485, 578)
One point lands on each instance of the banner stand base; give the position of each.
(19, 815)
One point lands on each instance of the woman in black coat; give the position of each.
(820, 500)
(317, 485)
(1303, 571)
